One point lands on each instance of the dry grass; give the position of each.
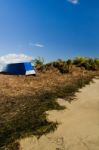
(24, 101)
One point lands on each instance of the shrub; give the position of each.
(79, 61)
(87, 63)
(62, 66)
(39, 63)
(69, 64)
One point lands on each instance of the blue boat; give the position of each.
(25, 68)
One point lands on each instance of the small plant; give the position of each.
(87, 63)
(62, 66)
(69, 64)
(96, 60)
(79, 61)
(39, 63)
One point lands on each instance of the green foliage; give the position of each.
(79, 60)
(39, 63)
(69, 64)
(87, 63)
(66, 66)
(63, 66)
(96, 61)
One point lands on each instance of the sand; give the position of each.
(79, 124)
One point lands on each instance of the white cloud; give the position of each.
(36, 45)
(13, 58)
(73, 1)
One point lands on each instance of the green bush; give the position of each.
(79, 61)
(63, 66)
(87, 63)
(39, 63)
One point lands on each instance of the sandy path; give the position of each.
(79, 128)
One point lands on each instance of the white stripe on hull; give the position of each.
(30, 72)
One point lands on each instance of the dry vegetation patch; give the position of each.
(25, 100)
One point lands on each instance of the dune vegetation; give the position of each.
(65, 66)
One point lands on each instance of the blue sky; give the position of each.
(49, 28)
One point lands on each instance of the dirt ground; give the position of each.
(79, 124)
